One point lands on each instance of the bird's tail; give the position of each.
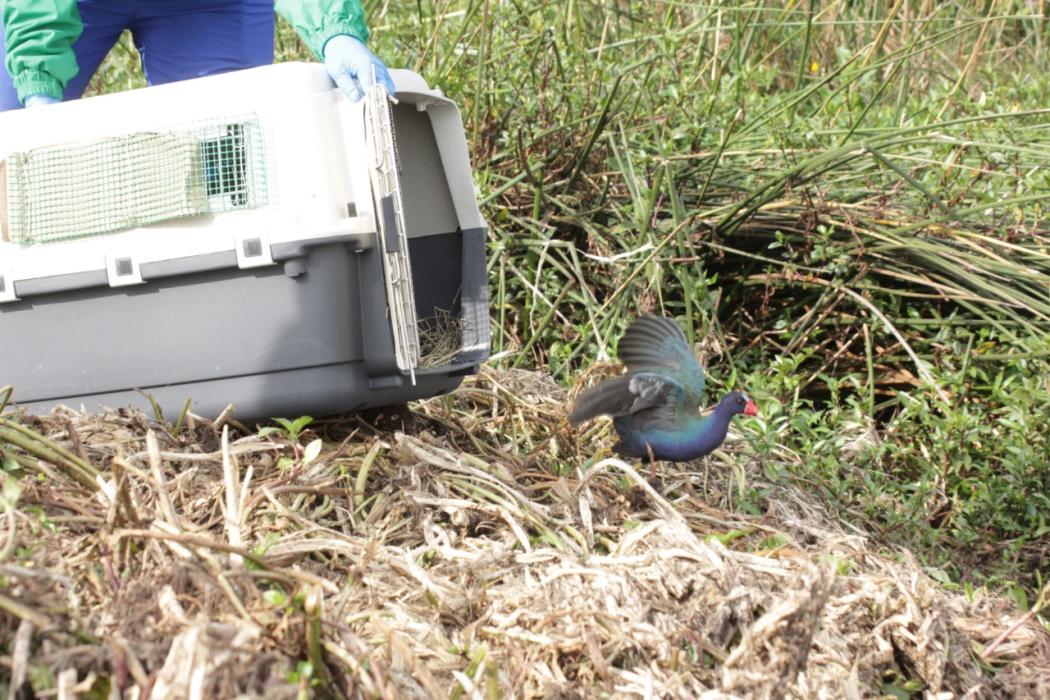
(605, 399)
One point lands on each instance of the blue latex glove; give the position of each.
(351, 66)
(37, 100)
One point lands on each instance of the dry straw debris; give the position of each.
(467, 549)
(440, 338)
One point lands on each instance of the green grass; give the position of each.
(844, 201)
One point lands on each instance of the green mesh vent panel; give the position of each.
(91, 188)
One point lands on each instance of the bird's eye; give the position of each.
(739, 400)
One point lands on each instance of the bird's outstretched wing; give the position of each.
(653, 343)
(630, 394)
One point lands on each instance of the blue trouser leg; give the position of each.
(178, 39)
(182, 39)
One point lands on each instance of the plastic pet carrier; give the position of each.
(251, 238)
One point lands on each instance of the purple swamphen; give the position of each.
(656, 405)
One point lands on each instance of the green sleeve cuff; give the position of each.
(317, 21)
(316, 40)
(349, 28)
(37, 82)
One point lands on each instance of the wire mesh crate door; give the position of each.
(85, 189)
(385, 163)
(234, 165)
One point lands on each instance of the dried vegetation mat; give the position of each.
(474, 547)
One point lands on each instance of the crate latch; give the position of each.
(122, 270)
(253, 250)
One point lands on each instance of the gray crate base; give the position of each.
(315, 391)
(284, 340)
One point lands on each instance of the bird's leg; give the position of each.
(652, 462)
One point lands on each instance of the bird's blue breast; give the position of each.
(679, 443)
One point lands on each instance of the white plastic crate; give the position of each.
(169, 240)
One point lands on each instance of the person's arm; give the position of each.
(335, 31)
(317, 21)
(39, 35)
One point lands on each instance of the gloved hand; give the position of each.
(37, 100)
(351, 65)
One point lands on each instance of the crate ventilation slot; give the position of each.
(114, 184)
(3, 285)
(252, 248)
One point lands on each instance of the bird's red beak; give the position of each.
(750, 409)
